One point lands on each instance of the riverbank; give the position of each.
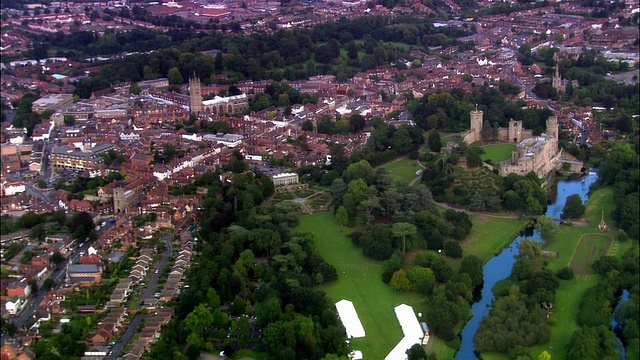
(568, 296)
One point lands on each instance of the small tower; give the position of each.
(195, 95)
(515, 131)
(476, 122)
(552, 127)
(557, 80)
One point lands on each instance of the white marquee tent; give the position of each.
(350, 320)
(411, 329)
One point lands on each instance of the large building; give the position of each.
(218, 105)
(67, 158)
(538, 154)
(285, 179)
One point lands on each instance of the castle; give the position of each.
(218, 105)
(539, 154)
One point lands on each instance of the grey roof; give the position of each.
(81, 268)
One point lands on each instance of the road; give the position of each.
(127, 334)
(148, 293)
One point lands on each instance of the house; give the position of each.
(101, 338)
(19, 288)
(13, 305)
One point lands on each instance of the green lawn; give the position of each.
(498, 152)
(590, 248)
(403, 170)
(489, 235)
(360, 281)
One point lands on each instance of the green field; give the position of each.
(497, 153)
(590, 248)
(403, 170)
(360, 281)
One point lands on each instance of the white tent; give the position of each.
(408, 321)
(411, 330)
(355, 355)
(350, 320)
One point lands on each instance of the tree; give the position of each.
(422, 279)
(42, 184)
(453, 249)
(56, 258)
(47, 284)
(174, 76)
(356, 123)
(81, 224)
(544, 356)
(342, 217)
(135, 89)
(307, 125)
(472, 265)
(573, 208)
(400, 281)
(434, 141)
(402, 230)
(474, 156)
(199, 320)
(69, 120)
(547, 228)
(416, 352)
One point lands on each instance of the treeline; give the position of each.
(590, 70)
(290, 54)
(594, 339)
(620, 170)
(518, 318)
(252, 284)
(449, 110)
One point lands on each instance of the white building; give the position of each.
(13, 305)
(285, 179)
(13, 188)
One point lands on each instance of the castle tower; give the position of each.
(119, 202)
(556, 83)
(552, 130)
(515, 131)
(552, 126)
(476, 122)
(195, 94)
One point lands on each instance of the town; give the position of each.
(114, 182)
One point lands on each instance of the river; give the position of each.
(499, 267)
(614, 325)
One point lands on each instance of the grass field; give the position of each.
(360, 281)
(590, 248)
(403, 170)
(498, 152)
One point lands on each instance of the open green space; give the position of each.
(403, 170)
(498, 152)
(489, 235)
(590, 248)
(360, 281)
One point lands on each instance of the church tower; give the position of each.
(195, 94)
(557, 80)
(476, 123)
(119, 200)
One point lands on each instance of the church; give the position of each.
(218, 105)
